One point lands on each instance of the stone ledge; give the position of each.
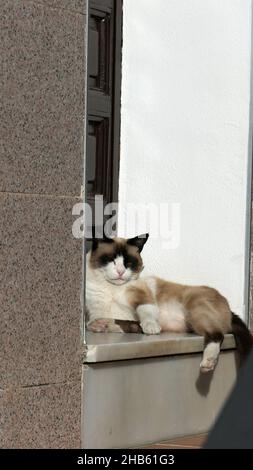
(104, 347)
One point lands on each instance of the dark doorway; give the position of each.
(104, 83)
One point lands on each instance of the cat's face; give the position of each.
(118, 259)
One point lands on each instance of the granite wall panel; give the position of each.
(42, 417)
(42, 99)
(42, 89)
(40, 278)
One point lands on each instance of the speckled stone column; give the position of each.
(42, 49)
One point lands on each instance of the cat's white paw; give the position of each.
(150, 327)
(208, 364)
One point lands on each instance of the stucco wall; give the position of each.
(184, 135)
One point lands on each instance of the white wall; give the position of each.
(184, 132)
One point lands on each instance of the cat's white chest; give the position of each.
(105, 300)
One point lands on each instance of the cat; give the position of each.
(118, 300)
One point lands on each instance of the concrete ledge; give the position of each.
(104, 347)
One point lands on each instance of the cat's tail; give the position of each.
(243, 337)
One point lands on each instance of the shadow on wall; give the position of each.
(234, 426)
(204, 381)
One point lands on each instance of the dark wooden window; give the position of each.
(104, 79)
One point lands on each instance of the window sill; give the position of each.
(103, 347)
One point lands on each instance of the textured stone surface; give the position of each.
(3, 416)
(42, 98)
(40, 278)
(42, 417)
(72, 5)
(41, 152)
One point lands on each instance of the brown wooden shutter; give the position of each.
(104, 78)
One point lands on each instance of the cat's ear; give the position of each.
(139, 241)
(96, 241)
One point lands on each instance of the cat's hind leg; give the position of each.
(208, 315)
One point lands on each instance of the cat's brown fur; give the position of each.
(206, 310)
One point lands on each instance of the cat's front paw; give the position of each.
(150, 327)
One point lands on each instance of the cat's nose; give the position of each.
(120, 271)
